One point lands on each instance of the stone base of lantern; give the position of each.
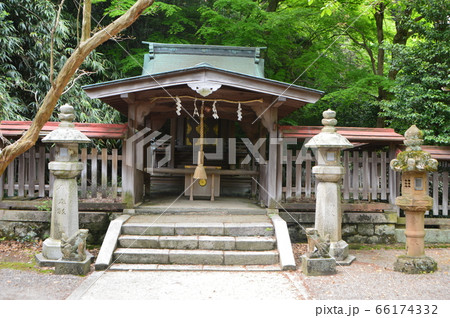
(73, 267)
(42, 261)
(318, 266)
(51, 249)
(339, 251)
(415, 264)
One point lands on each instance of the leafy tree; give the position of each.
(379, 34)
(173, 21)
(421, 91)
(26, 34)
(64, 76)
(367, 56)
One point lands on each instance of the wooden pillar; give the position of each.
(392, 178)
(231, 144)
(269, 118)
(127, 175)
(173, 132)
(180, 131)
(144, 153)
(132, 178)
(273, 156)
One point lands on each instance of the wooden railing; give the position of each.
(439, 191)
(28, 175)
(367, 178)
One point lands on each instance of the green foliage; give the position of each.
(31, 266)
(166, 22)
(25, 35)
(420, 92)
(329, 45)
(45, 206)
(242, 20)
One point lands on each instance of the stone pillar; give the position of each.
(414, 164)
(65, 168)
(329, 173)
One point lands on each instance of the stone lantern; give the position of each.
(329, 173)
(65, 168)
(414, 163)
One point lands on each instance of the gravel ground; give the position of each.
(20, 278)
(19, 284)
(371, 276)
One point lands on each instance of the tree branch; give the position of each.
(71, 65)
(52, 39)
(364, 46)
(83, 73)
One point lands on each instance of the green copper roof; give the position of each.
(170, 57)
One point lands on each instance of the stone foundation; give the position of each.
(415, 265)
(357, 227)
(318, 266)
(32, 225)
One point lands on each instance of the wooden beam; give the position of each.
(265, 114)
(129, 98)
(222, 172)
(228, 93)
(239, 82)
(278, 102)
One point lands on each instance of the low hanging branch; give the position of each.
(30, 137)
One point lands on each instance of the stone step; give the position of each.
(216, 229)
(194, 257)
(178, 267)
(197, 210)
(242, 243)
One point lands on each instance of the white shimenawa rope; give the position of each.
(215, 115)
(239, 112)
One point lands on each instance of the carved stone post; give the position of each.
(414, 163)
(65, 168)
(329, 173)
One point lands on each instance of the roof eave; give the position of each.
(177, 77)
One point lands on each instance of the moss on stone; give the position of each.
(355, 246)
(422, 161)
(127, 199)
(31, 266)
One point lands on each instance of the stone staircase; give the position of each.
(191, 242)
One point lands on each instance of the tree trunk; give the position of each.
(273, 5)
(401, 36)
(73, 62)
(379, 19)
(86, 25)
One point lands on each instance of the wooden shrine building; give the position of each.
(175, 82)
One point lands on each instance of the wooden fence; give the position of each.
(28, 175)
(368, 177)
